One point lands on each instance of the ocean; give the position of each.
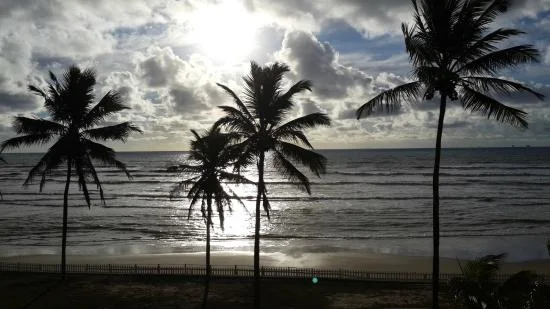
(493, 200)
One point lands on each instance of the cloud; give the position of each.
(350, 49)
(318, 62)
(188, 86)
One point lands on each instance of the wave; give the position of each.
(519, 221)
(148, 197)
(494, 174)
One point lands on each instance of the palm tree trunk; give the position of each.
(208, 266)
(257, 232)
(65, 214)
(435, 186)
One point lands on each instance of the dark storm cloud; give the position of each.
(17, 102)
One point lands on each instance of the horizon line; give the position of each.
(329, 149)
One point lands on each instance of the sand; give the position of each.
(34, 291)
(367, 261)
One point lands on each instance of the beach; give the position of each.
(36, 291)
(159, 291)
(355, 261)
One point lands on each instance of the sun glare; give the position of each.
(224, 33)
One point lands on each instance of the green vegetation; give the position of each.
(480, 289)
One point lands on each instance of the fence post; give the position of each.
(110, 269)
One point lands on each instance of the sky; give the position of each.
(166, 56)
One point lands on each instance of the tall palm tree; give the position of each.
(73, 122)
(455, 54)
(3, 161)
(478, 287)
(258, 121)
(214, 155)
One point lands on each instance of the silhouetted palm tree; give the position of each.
(69, 102)
(454, 54)
(478, 288)
(213, 155)
(2, 161)
(258, 121)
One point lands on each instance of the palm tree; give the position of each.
(74, 118)
(455, 54)
(478, 288)
(3, 161)
(258, 121)
(214, 155)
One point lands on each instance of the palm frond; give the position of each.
(235, 120)
(51, 160)
(95, 177)
(38, 91)
(390, 100)
(283, 103)
(105, 155)
(420, 52)
(179, 188)
(493, 62)
(24, 125)
(237, 100)
(78, 91)
(475, 101)
(110, 104)
(492, 9)
(502, 86)
(265, 204)
(26, 140)
(517, 288)
(82, 181)
(236, 178)
(297, 137)
(485, 45)
(119, 132)
(290, 172)
(302, 123)
(314, 161)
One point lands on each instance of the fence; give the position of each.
(236, 271)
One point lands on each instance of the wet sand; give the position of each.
(369, 262)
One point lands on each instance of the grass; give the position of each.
(31, 291)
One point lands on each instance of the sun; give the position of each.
(225, 32)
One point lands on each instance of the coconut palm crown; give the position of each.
(72, 128)
(259, 122)
(456, 55)
(214, 155)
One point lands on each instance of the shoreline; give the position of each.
(355, 261)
